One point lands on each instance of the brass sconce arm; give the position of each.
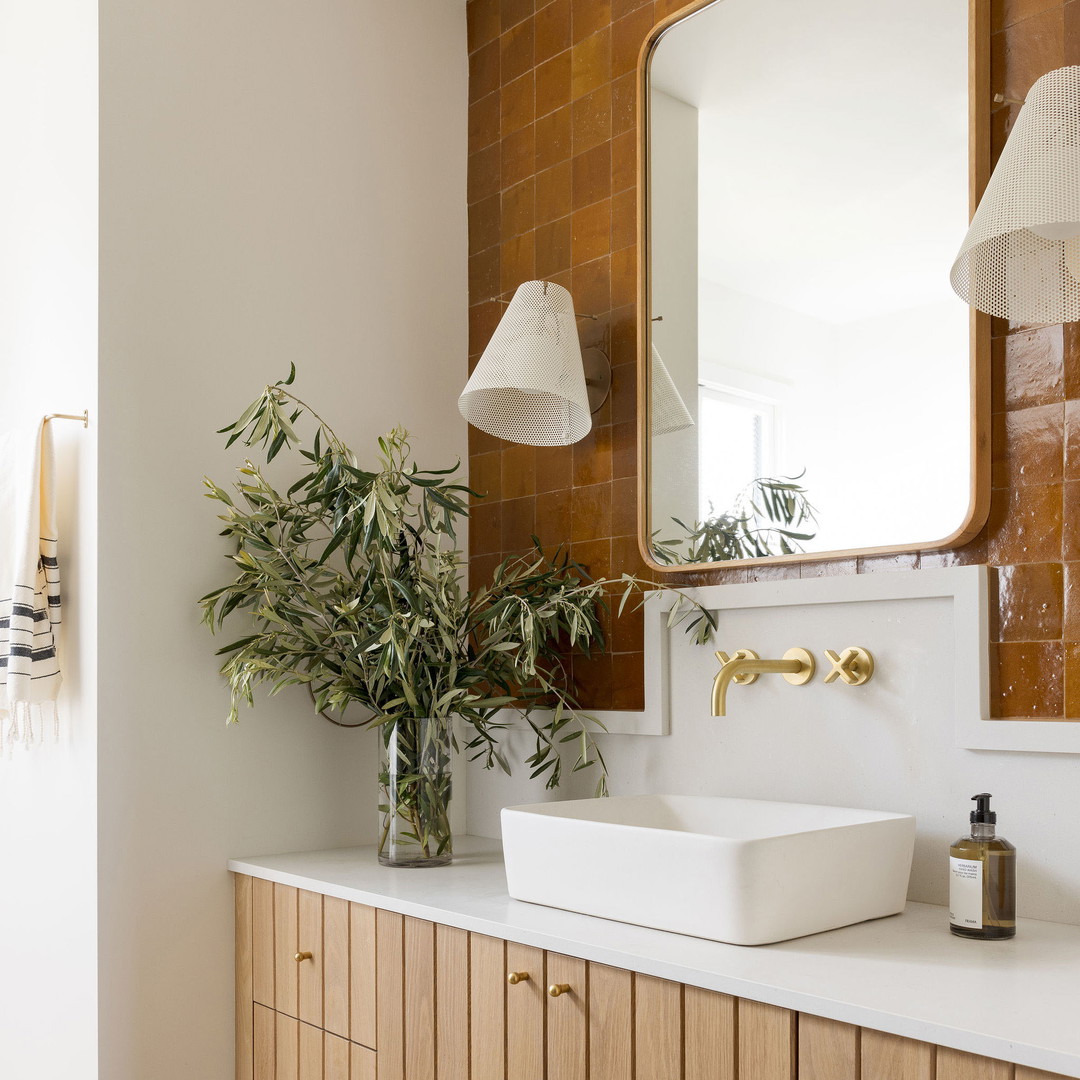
(745, 666)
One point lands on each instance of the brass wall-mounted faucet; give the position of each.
(744, 666)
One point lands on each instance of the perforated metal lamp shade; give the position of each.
(1020, 259)
(669, 411)
(529, 386)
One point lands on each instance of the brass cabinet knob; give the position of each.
(301, 956)
(516, 977)
(558, 989)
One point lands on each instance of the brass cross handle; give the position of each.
(516, 977)
(739, 654)
(855, 666)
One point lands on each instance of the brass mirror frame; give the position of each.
(978, 174)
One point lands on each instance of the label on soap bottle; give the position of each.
(966, 893)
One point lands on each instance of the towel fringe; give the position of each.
(25, 722)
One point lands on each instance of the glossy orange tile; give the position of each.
(553, 84)
(592, 677)
(517, 104)
(485, 222)
(485, 529)
(623, 220)
(484, 274)
(552, 35)
(553, 517)
(483, 318)
(592, 458)
(553, 193)
(484, 71)
(623, 162)
(1031, 602)
(1034, 367)
(552, 248)
(513, 11)
(1071, 707)
(554, 468)
(873, 564)
(590, 65)
(590, 120)
(627, 674)
(1006, 12)
(518, 156)
(518, 209)
(484, 122)
(485, 176)
(588, 16)
(1028, 679)
(1025, 525)
(594, 556)
(624, 450)
(623, 276)
(1070, 525)
(518, 478)
(485, 477)
(1070, 629)
(518, 520)
(553, 143)
(516, 57)
(591, 176)
(518, 261)
(1032, 450)
(627, 36)
(620, 8)
(591, 286)
(624, 506)
(591, 229)
(483, 19)
(591, 512)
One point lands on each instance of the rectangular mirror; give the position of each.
(810, 386)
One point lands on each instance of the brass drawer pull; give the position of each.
(301, 956)
(558, 989)
(516, 977)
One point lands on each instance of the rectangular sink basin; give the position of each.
(736, 870)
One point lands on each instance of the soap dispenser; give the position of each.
(982, 879)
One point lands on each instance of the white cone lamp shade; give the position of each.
(529, 385)
(1021, 257)
(669, 411)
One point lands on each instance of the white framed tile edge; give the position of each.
(966, 586)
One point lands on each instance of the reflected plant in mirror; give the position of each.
(770, 517)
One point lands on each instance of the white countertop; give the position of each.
(1018, 1000)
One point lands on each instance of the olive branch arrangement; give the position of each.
(351, 582)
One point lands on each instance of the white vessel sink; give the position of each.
(735, 870)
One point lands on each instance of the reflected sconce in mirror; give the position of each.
(1020, 259)
(669, 411)
(533, 384)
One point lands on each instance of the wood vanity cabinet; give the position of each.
(331, 990)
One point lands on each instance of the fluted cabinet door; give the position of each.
(242, 1004)
(335, 957)
(890, 1057)
(362, 949)
(310, 1053)
(287, 1050)
(767, 1042)
(488, 1037)
(956, 1065)
(335, 1058)
(611, 1026)
(390, 1018)
(567, 1033)
(286, 985)
(709, 1039)
(658, 1029)
(265, 1043)
(419, 999)
(309, 972)
(828, 1049)
(524, 1013)
(1024, 1073)
(452, 1002)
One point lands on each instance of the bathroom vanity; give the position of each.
(351, 971)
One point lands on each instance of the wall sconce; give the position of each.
(1020, 259)
(533, 385)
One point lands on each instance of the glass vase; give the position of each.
(414, 793)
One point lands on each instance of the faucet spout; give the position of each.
(744, 667)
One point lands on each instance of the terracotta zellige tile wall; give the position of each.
(552, 194)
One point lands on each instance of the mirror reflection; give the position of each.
(807, 182)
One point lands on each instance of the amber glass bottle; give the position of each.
(982, 879)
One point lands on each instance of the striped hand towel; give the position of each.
(29, 585)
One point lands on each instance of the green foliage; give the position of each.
(351, 582)
(769, 518)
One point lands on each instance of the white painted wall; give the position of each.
(48, 363)
(889, 745)
(280, 182)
